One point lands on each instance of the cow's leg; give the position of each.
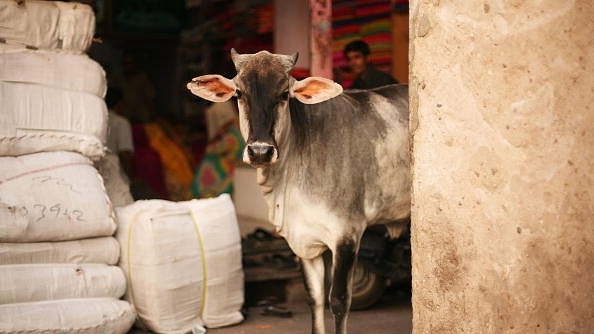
(313, 270)
(343, 265)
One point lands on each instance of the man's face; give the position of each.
(357, 62)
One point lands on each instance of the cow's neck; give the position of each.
(274, 180)
(273, 185)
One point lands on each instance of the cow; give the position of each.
(329, 163)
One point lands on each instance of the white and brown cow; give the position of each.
(330, 163)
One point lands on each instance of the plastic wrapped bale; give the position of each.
(20, 283)
(36, 118)
(81, 316)
(52, 68)
(93, 250)
(52, 196)
(48, 24)
(183, 263)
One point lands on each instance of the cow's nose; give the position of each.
(260, 153)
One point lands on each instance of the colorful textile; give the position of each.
(214, 175)
(174, 158)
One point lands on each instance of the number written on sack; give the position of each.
(40, 212)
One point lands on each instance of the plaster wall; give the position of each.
(503, 173)
(291, 32)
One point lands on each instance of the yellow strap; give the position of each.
(203, 260)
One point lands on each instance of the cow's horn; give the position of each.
(238, 59)
(290, 61)
(295, 57)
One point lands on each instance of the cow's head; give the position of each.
(263, 86)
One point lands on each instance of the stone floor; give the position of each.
(393, 315)
(390, 316)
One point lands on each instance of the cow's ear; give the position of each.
(212, 87)
(315, 89)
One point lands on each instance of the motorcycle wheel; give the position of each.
(368, 286)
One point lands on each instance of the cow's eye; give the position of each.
(284, 95)
(238, 94)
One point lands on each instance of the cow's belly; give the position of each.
(310, 227)
(389, 197)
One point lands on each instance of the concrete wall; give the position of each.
(502, 116)
(291, 32)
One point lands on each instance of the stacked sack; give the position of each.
(58, 253)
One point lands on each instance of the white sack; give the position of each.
(76, 26)
(95, 250)
(36, 118)
(21, 283)
(52, 68)
(47, 24)
(52, 196)
(81, 316)
(183, 262)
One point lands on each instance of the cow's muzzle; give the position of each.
(260, 154)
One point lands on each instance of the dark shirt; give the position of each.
(373, 78)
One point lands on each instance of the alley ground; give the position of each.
(392, 315)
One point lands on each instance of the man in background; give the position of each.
(116, 166)
(367, 76)
(138, 102)
(119, 131)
